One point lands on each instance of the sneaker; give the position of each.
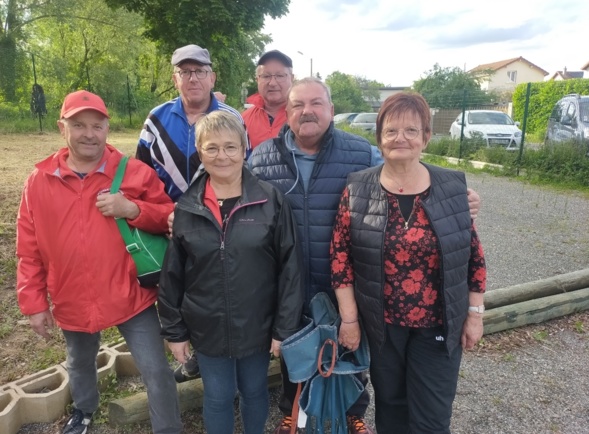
(77, 423)
(356, 425)
(285, 426)
(187, 371)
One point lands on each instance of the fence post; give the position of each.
(524, 126)
(464, 92)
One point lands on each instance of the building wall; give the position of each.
(525, 73)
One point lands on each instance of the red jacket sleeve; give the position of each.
(31, 276)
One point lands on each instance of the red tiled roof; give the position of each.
(503, 63)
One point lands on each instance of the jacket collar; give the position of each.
(250, 190)
(56, 164)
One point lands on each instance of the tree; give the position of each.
(370, 89)
(228, 29)
(346, 93)
(447, 87)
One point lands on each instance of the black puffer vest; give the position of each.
(447, 209)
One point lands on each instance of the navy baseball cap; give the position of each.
(275, 54)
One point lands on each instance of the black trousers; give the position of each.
(414, 381)
(289, 391)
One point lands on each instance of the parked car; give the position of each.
(494, 127)
(344, 118)
(569, 121)
(365, 121)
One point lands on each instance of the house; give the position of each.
(567, 75)
(384, 93)
(505, 75)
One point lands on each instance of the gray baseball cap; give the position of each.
(191, 52)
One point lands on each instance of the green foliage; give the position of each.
(346, 93)
(229, 30)
(359, 132)
(449, 87)
(543, 97)
(564, 165)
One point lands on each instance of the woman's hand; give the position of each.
(349, 335)
(180, 350)
(472, 331)
(275, 348)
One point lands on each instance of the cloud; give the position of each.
(480, 35)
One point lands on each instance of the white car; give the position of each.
(495, 127)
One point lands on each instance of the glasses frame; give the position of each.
(385, 132)
(224, 148)
(267, 78)
(200, 74)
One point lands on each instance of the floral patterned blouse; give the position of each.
(411, 263)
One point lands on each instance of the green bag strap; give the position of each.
(124, 228)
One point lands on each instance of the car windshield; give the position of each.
(366, 117)
(494, 118)
(584, 106)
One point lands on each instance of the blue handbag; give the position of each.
(314, 356)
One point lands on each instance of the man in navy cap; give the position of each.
(166, 142)
(268, 113)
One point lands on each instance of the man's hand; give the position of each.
(116, 205)
(474, 203)
(472, 331)
(180, 350)
(220, 96)
(170, 223)
(42, 322)
(275, 348)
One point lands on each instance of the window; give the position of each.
(512, 76)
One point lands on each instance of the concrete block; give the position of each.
(43, 395)
(125, 364)
(106, 366)
(10, 419)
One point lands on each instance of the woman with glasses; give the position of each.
(230, 285)
(408, 267)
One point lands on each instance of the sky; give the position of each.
(397, 43)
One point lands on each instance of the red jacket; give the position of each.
(72, 255)
(257, 122)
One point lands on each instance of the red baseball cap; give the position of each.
(81, 100)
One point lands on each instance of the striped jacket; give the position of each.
(167, 144)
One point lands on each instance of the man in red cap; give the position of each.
(268, 113)
(73, 269)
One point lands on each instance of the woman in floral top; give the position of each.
(408, 266)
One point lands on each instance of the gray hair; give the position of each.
(309, 80)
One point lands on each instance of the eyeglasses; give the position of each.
(409, 133)
(213, 151)
(268, 77)
(186, 74)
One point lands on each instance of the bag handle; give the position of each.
(124, 229)
(333, 344)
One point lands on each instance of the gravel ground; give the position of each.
(532, 380)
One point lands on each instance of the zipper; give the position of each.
(224, 266)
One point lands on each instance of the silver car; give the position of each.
(365, 121)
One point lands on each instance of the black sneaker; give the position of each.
(187, 371)
(77, 423)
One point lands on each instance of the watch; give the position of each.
(477, 309)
